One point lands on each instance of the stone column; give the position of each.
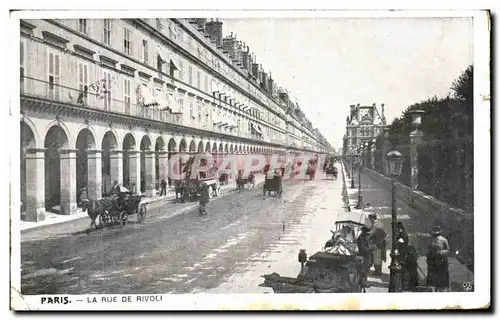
(415, 139)
(150, 173)
(68, 181)
(163, 165)
(94, 174)
(35, 185)
(134, 162)
(116, 164)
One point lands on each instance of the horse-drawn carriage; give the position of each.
(332, 171)
(274, 182)
(242, 180)
(115, 209)
(335, 269)
(193, 185)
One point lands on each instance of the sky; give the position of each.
(328, 64)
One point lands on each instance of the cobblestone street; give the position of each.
(186, 253)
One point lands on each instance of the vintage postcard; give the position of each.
(250, 160)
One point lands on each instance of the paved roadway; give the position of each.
(180, 253)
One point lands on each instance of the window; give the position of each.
(106, 89)
(127, 44)
(199, 111)
(127, 97)
(206, 84)
(54, 78)
(190, 75)
(159, 25)
(191, 111)
(21, 67)
(181, 69)
(82, 25)
(145, 51)
(107, 32)
(181, 104)
(198, 79)
(83, 82)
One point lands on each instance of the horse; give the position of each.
(96, 207)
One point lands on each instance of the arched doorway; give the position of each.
(207, 147)
(161, 160)
(29, 201)
(147, 167)
(130, 162)
(111, 162)
(85, 173)
(192, 147)
(172, 150)
(55, 140)
(200, 147)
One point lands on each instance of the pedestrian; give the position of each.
(163, 186)
(377, 235)
(402, 243)
(133, 190)
(365, 250)
(438, 275)
(410, 283)
(115, 190)
(204, 200)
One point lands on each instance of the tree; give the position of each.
(463, 87)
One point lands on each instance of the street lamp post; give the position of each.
(359, 205)
(395, 164)
(352, 170)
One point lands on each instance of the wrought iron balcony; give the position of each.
(103, 100)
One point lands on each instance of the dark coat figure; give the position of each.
(402, 242)
(438, 274)
(377, 236)
(365, 250)
(410, 273)
(163, 187)
(204, 200)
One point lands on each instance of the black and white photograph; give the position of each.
(239, 160)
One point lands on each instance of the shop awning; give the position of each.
(149, 99)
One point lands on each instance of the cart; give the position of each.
(335, 269)
(193, 187)
(332, 171)
(273, 182)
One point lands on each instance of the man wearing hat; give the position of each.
(365, 250)
(377, 236)
(438, 275)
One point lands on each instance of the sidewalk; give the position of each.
(54, 218)
(377, 284)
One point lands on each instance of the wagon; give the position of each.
(335, 269)
(193, 186)
(331, 170)
(273, 182)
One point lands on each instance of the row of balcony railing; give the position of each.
(104, 101)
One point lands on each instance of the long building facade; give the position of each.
(114, 99)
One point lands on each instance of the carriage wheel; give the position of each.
(123, 218)
(217, 191)
(141, 214)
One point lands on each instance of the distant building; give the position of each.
(363, 123)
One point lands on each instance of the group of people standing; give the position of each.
(372, 246)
